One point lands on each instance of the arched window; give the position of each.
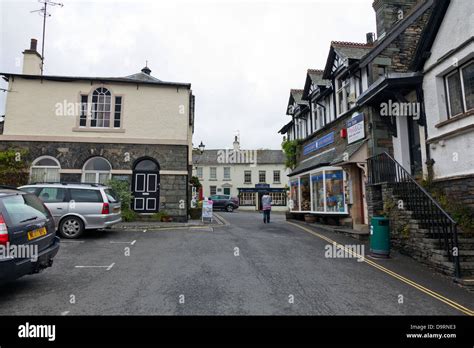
(45, 169)
(101, 107)
(147, 165)
(96, 170)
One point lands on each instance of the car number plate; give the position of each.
(37, 233)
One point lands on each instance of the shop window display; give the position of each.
(294, 195)
(305, 193)
(318, 191)
(334, 191)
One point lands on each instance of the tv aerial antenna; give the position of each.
(44, 12)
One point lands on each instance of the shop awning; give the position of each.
(353, 153)
(323, 159)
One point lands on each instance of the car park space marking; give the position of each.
(417, 286)
(108, 268)
(131, 243)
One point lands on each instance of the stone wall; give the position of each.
(407, 235)
(173, 188)
(121, 156)
(461, 188)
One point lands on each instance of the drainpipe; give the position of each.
(420, 98)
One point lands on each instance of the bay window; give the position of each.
(321, 191)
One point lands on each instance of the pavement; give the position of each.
(241, 266)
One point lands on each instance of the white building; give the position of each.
(448, 88)
(245, 174)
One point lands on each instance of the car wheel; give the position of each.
(71, 227)
(229, 208)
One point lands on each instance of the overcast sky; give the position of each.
(241, 57)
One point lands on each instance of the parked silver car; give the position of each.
(78, 207)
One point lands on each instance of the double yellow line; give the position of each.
(427, 291)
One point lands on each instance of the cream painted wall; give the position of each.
(237, 176)
(149, 112)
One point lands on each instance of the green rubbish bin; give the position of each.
(380, 237)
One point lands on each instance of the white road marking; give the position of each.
(132, 242)
(144, 231)
(72, 241)
(108, 268)
(65, 313)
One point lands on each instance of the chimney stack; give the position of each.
(389, 12)
(370, 38)
(32, 59)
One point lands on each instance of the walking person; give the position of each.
(266, 207)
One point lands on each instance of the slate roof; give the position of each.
(135, 78)
(322, 160)
(210, 157)
(285, 128)
(349, 150)
(351, 50)
(297, 95)
(345, 50)
(141, 76)
(314, 76)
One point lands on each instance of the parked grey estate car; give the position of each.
(25, 223)
(78, 207)
(225, 202)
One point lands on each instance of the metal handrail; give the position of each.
(383, 168)
(417, 184)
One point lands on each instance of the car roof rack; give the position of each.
(93, 184)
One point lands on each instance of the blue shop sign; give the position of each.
(319, 143)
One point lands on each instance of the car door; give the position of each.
(88, 204)
(215, 201)
(55, 199)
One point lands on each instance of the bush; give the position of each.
(13, 167)
(160, 216)
(122, 189)
(129, 215)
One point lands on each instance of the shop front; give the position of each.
(329, 179)
(250, 198)
(319, 191)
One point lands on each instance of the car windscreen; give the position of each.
(112, 196)
(24, 208)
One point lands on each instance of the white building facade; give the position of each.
(245, 174)
(448, 87)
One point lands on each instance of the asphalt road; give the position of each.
(246, 268)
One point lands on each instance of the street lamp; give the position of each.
(201, 147)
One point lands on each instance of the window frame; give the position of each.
(457, 71)
(210, 190)
(265, 176)
(200, 170)
(96, 172)
(227, 177)
(279, 177)
(245, 176)
(35, 166)
(213, 170)
(88, 111)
